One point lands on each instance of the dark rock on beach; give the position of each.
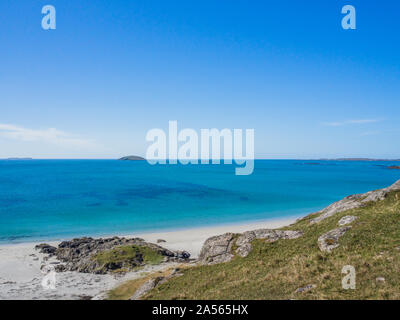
(306, 288)
(46, 249)
(184, 255)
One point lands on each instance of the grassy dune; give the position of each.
(276, 270)
(127, 257)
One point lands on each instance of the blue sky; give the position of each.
(112, 70)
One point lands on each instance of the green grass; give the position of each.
(276, 270)
(129, 254)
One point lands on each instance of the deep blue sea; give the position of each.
(58, 199)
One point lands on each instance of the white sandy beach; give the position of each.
(21, 275)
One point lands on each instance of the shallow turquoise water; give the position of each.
(49, 199)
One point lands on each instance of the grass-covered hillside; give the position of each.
(124, 258)
(276, 270)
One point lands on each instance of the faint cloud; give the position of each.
(50, 135)
(369, 133)
(350, 122)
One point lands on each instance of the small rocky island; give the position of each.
(132, 158)
(109, 255)
(394, 167)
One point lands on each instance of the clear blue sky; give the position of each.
(112, 70)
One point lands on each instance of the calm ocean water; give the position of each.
(55, 199)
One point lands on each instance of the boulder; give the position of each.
(132, 158)
(218, 249)
(46, 249)
(184, 255)
(330, 240)
(244, 250)
(306, 288)
(347, 220)
(243, 242)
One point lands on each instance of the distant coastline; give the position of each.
(139, 158)
(17, 159)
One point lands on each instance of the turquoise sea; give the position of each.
(58, 199)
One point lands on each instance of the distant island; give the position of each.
(18, 159)
(132, 158)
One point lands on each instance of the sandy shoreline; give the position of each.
(21, 275)
(192, 240)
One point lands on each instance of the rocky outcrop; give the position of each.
(218, 249)
(330, 240)
(243, 242)
(347, 220)
(380, 280)
(80, 254)
(394, 167)
(46, 249)
(354, 201)
(152, 283)
(182, 255)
